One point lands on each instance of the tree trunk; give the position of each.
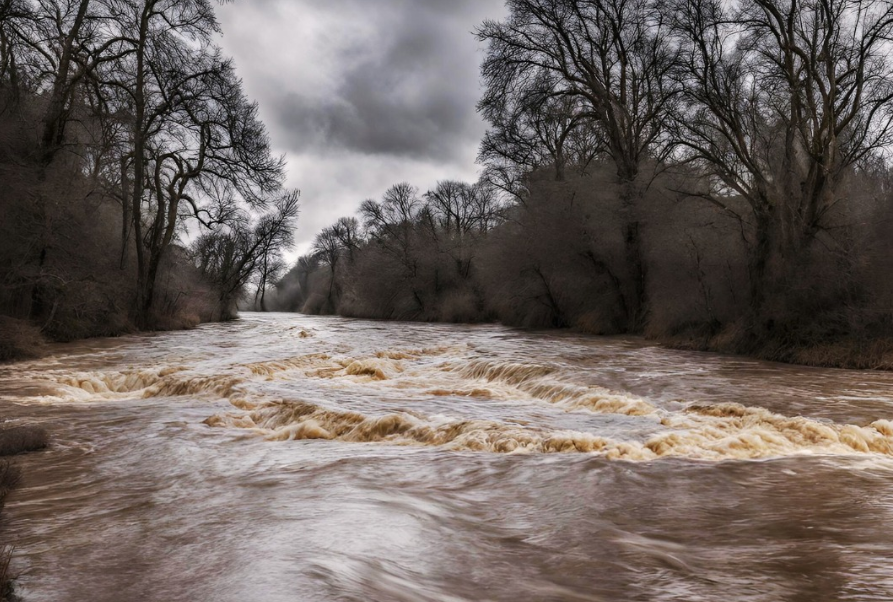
(330, 297)
(148, 296)
(54, 118)
(38, 290)
(162, 234)
(637, 298)
(560, 162)
(139, 150)
(761, 253)
(125, 213)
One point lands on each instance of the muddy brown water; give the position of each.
(286, 457)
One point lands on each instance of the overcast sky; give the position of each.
(362, 94)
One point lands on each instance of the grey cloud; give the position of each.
(361, 94)
(408, 90)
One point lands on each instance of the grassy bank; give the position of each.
(13, 441)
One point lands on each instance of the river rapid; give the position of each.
(284, 457)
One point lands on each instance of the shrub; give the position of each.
(22, 439)
(18, 339)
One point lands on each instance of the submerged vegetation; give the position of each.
(139, 190)
(713, 175)
(10, 475)
(13, 441)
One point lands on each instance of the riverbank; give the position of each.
(10, 475)
(21, 340)
(846, 351)
(13, 441)
(850, 354)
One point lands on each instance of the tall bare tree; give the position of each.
(784, 99)
(64, 80)
(235, 253)
(458, 214)
(390, 222)
(197, 148)
(614, 57)
(530, 129)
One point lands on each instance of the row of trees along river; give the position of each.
(123, 132)
(712, 174)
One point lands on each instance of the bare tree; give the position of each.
(530, 129)
(270, 269)
(339, 241)
(327, 249)
(12, 14)
(242, 249)
(783, 100)
(350, 235)
(307, 265)
(64, 81)
(390, 222)
(612, 55)
(457, 214)
(197, 148)
(129, 103)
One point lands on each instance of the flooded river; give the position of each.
(286, 457)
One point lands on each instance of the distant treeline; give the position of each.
(123, 133)
(712, 174)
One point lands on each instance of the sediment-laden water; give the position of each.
(285, 457)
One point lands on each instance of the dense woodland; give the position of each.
(712, 174)
(137, 186)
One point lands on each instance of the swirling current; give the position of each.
(285, 457)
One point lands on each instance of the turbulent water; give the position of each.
(284, 457)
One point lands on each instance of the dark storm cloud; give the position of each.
(361, 94)
(399, 77)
